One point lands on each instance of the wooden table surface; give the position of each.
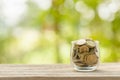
(106, 71)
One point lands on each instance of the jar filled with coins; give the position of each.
(85, 54)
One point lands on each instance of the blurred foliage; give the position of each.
(44, 35)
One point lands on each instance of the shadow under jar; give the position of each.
(85, 54)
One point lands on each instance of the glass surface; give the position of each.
(85, 55)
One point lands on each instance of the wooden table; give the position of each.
(106, 71)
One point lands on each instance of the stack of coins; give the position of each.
(84, 53)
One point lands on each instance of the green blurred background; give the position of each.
(41, 31)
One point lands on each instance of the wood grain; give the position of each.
(106, 71)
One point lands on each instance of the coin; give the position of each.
(91, 59)
(90, 44)
(80, 42)
(83, 49)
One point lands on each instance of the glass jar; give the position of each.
(85, 54)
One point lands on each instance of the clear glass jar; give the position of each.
(85, 54)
